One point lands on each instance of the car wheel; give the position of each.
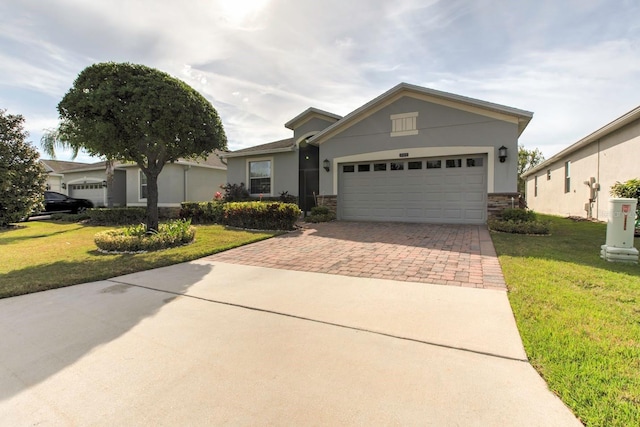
(81, 210)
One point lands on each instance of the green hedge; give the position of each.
(135, 238)
(320, 214)
(520, 227)
(518, 215)
(202, 212)
(117, 216)
(261, 215)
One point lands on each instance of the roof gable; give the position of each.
(496, 111)
(309, 114)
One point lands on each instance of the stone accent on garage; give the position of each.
(330, 201)
(497, 202)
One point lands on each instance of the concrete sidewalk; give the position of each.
(213, 343)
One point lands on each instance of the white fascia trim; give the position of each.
(414, 153)
(259, 159)
(404, 133)
(259, 153)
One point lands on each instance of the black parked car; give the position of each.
(58, 202)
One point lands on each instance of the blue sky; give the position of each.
(574, 63)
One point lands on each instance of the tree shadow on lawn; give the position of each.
(43, 333)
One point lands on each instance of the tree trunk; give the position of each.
(109, 171)
(152, 201)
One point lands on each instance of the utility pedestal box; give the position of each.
(620, 230)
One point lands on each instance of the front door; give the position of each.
(309, 176)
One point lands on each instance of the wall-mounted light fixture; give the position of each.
(104, 183)
(502, 154)
(326, 164)
(64, 186)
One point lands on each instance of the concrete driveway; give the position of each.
(215, 343)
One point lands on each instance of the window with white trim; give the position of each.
(404, 124)
(143, 185)
(260, 177)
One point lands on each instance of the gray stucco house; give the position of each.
(577, 180)
(180, 181)
(412, 154)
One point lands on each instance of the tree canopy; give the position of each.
(22, 177)
(527, 159)
(131, 112)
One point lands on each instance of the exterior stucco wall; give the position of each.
(610, 159)
(201, 185)
(284, 171)
(54, 183)
(313, 125)
(442, 131)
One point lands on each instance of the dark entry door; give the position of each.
(309, 176)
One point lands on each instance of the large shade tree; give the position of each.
(131, 112)
(22, 177)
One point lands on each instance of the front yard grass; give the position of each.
(579, 318)
(40, 255)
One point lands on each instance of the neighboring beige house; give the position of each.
(577, 180)
(183, 180)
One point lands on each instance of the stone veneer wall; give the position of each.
(497, 202)
(329, 201)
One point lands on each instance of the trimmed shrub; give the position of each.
(518, 215)
(202, 212)
(117, 216)
(63, 217)
(320, 214)
(235, 192)
(520, 227)
(135, 238)
(261, 215)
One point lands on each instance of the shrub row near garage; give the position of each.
(320, 214)
(135, 238)
(253, 215)
(261, 215)
(117, 216)
(519, 221)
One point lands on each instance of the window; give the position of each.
(548, 174)
(567, 177)
(379, 167)
(364, 168)
(404, 124)
(475, 162)
(434, 164)
(143, 185)
(415, 165)
(348, 168)
(397, 166)
(260, 177)
(454, 163)
(535, 186)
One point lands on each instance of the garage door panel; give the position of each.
(447, 195)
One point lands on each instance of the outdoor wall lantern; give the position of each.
(64, 186)
(325, 164)
(104, 183)
(502, 154)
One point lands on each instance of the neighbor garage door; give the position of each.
(438, 190)
(92, 191)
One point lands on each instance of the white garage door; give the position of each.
(438, 190)
(91, 191)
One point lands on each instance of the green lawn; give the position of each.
(40, 255)
(579, 318)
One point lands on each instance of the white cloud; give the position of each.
(260, 63)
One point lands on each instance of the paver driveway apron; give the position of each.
(458, 255)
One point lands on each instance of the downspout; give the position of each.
(186, 183)
(598, 181)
